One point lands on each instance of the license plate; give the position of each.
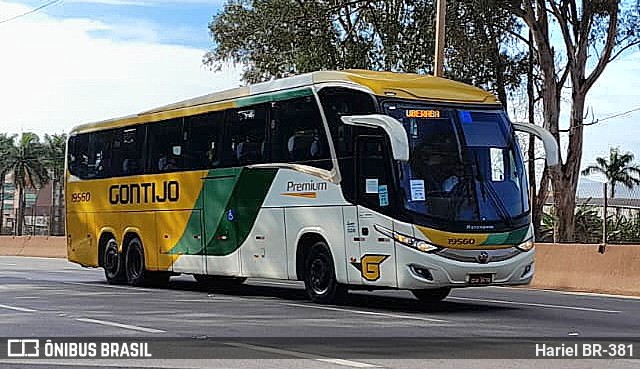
(480, 278)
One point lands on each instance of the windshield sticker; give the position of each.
(417, 190)
(465, 116)
(383, 195)
(371, 185)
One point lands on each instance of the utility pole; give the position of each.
(438, 63)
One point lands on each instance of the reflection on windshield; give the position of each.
(464, 165)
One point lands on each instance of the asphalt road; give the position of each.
(54, 298)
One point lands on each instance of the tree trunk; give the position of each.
(613, 190)
(20, 216)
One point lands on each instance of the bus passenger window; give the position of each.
(298, 134)
(245, 142)
(201, 136)
(165, 151)
(127, 151)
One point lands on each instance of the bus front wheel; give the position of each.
(432, 295)
(320, 277)
(137, 274)
(112, 262)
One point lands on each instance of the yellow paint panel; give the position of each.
(150, 220)
(464, 241)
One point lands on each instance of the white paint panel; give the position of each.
(325, 221)
(264, 252)
(293, 188)
(193, 264)
(281, 84)
(228, 265)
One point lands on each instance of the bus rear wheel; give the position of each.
(137, 274)
(320, 277)
(432, 295)
(112, 262)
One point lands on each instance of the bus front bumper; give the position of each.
(419, 270)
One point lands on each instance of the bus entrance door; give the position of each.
(377, 256)
(221, 245)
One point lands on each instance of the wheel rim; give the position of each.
(134, 264)
(319, 275)
(111, 260)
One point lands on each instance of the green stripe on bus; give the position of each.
(240, 191)
(507, 238)
(278, 96)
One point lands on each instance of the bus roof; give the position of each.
(401, 85)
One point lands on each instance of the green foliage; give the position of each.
(276, 38)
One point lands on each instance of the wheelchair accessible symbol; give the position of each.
(231, 215)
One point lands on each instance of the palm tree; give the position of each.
(55, 151)
(6, 142)
(619, 168)
(27, 161)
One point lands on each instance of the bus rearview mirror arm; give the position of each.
(549, 142)
(392, 127)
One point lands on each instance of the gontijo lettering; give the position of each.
(147, 192)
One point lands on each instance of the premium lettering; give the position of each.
(306, 186)
(144, 193)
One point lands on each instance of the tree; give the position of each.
(27, 161)
(619, 168)
(6, 143)
(277, 38)
(593, 34)
(55, 153)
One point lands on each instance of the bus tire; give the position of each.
(113, 263)
(320, 277)
(219, 282)
(137, 274)
(432, 295)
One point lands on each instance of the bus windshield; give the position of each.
(464, 165)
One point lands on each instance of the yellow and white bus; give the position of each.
(346, 180)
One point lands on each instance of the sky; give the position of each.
(85, 60)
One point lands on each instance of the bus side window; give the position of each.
(297, 133)
(165, 146)
(201, 140)
(245, 141)
(373, 177)
(127, 151)
(79, 155)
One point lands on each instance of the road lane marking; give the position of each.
(120, 325)
(536, 305)
(577, 293)
(98, 285)
(16, 308)
(363, 312)
(302, 355)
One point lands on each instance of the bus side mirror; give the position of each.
(549, 142)
(392, 127)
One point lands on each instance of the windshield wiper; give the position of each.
(493, 195)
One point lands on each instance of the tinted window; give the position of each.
(337, 102)
(202, 135)
(127, 149)
(298, 135)
(165, 150)
(245, 142)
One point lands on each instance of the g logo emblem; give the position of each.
(369, 266)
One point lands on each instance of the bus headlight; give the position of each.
(407, 240)
(526, 246)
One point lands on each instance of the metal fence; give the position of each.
(600, 218)
(36, 221)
